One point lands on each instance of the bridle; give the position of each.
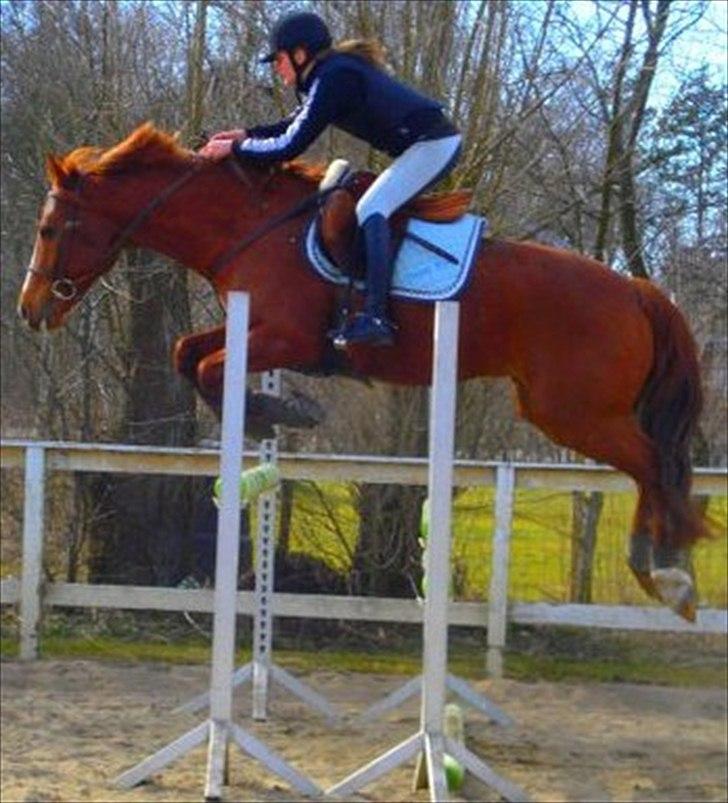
(66, 289)
(62, 287)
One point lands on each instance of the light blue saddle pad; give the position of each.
(420, 273)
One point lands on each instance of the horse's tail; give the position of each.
(668, 408)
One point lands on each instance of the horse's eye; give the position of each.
(47, 232)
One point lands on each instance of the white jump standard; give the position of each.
(262, 669)
(454, 684)
(430, 738)
(219, 729)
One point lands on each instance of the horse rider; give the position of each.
(346, 85)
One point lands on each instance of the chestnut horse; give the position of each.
(601, 363)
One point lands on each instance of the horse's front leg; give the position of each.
(191, 349)
(262, 410)
(272, 347)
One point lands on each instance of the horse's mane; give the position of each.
(148, 146)
(145, 146)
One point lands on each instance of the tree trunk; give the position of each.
(387, 560)
(148, 533)
(586, 511)
(146, 536)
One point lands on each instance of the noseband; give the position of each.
(66, 289)
(62, 287)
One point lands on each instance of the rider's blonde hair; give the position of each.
(369, 50)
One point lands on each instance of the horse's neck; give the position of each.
(207, 216)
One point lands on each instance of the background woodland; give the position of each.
(586, 126)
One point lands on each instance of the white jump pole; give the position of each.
(219, 728)
(262, 669)
(430, 739)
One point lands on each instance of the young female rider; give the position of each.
(345, 86)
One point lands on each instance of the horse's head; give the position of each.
(92, 211)
(74, 245)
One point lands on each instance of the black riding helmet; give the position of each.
(298, 29)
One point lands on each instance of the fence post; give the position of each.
(30, 584)
(498, 595)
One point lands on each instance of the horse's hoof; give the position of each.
(688, 610)
(264, 411)
(258, 428)
(646, 582)
(303, 411)
(675, 588)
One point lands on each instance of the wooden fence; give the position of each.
(37, 458)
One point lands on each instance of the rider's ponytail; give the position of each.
(368, 49)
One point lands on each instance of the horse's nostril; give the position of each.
(26, 315)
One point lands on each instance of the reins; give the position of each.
(304, 205)
(66, 289)
(119, 241)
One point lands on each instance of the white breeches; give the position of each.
(420, 165)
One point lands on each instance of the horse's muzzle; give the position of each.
(40, 316)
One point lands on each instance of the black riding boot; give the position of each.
(372, 326)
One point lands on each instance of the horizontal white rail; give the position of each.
(117, 458)
(369, 609)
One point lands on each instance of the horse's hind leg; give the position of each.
(621, 442)
(640, 558)
(617, 440)
(655, 565)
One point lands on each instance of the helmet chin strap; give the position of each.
(299, 69)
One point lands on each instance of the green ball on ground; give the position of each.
(454, 773)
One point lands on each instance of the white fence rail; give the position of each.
(37, 458)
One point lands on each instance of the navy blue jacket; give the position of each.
(350, 93)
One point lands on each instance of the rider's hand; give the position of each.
(237, 133)
(217, 149)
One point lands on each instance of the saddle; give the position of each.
(337, 224)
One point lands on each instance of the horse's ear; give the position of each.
(54, 170)
(59, 175)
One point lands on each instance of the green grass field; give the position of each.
(555, 654)
(325, 526)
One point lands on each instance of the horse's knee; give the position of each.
(185, 358)
(189, 350)
(209, 374)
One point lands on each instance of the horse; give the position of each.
(602, 363)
